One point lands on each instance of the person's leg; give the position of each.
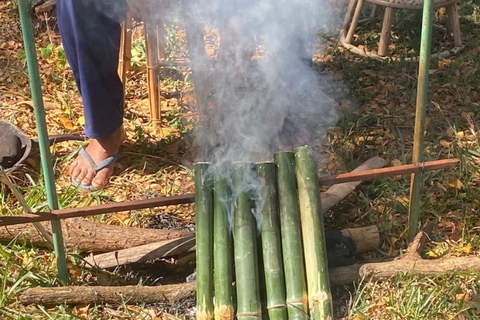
(91, 40)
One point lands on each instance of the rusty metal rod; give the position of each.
(190, 198)
(389, 172)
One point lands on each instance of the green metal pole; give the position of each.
(422, 89)
(24, 7)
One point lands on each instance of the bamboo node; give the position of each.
(302, 301)
(250, 314)
(278, 306)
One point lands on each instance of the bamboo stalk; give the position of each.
(420, 112)
(319, 296)
(204, 240)
(296, 292)
(222, 253)
(245, 249)
(271, 242)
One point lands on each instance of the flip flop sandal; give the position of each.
(95, 167)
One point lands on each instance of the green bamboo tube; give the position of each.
(222, 246)
(319, 296)
(296, 292)
(244, 244)
(271, 242)
(204, 240)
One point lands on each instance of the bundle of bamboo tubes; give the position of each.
(260, 240)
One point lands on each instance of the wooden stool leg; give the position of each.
(453, 25)
(374, 11)
(349, 14)
(160, 42)
(198, 63)
(353, 24)
(152, 74)
(125, 54)
(385, 34)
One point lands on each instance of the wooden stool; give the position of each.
(154, 41)
(155, 52)
(352, 18)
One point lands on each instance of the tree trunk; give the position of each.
(115, 295)
(89, 236)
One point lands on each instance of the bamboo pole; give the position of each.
(296, 292)
(204, 240)
(422, 90)
(222, 253)
(271, 242)
(24, 8)
(319, 296)
(245, 249)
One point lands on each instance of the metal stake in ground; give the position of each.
(271, 241)
(204, 240)
(244, 245)
(292, 248)
(47, 167)
(319, 296)
(222, 246)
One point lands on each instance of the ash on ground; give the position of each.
(169, 222)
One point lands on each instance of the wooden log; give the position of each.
(189, 198)
(364, 239)
(89, 236)
(338, 192)
(421, 267)
(146, 252)
(173, 293)
(102, 294)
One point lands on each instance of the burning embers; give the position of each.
(275, 259)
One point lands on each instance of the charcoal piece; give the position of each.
(339, 248)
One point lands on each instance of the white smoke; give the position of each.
(261, 102)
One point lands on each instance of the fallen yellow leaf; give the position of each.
(455, 183)
(465, 249)
(445, 143)
(444, 63)
(66, 123)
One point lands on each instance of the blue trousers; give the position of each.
(90, 31)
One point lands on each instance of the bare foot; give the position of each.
(99, 150)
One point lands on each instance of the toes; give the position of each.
(73, 169)
(75, 172)
(87, 180)
(82, 173)
(102, 177)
